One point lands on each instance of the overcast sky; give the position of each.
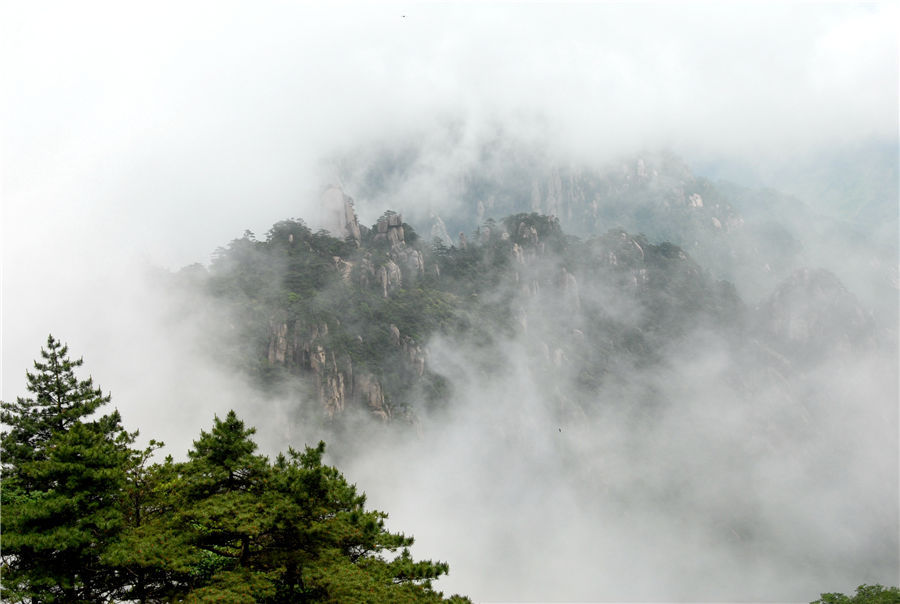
(155, 132)
(149, 134)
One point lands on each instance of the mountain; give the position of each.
(728, 391)
(753, 236)
(811, 315)
(348, 321)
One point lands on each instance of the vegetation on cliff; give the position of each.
(351, 318)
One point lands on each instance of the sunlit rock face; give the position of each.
(811, 316)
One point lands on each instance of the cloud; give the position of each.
(715, 495)
(152, 134)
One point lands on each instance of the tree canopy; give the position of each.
(63, 473)
(865, 594)
(88, 518)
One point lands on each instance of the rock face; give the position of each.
(811, 315)
(656, 194)
(390, 227)
(339, 215)
(402, 261)
(304, 349)
(580, 306)
(343, 267)
(439, 230)
(320, 351)
(390, 277)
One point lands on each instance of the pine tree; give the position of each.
(226, 493)
(148, 554)
(87, 519)
(333, 547)
(61, 486)
(229, 525)
(312, 537)
(59, 400)
(198, 537)
(53, 537)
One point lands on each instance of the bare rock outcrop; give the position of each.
(439, 231)
(569, 286)
(390, 227)
(390, 277)
(403, 261)
(343, 267)
(371, 394)
(304, 349)
(339, 216)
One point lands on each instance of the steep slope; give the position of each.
(352, 319)
(811, 316)
(616, 371)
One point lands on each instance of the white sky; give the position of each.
(155, 132)
(138, 134)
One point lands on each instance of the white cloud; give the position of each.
(157, 132)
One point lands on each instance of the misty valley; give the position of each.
(619, 381)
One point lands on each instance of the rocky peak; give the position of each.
(390, 227)
(339, 216)
(400, 256)
(439, 231)
(390, 277)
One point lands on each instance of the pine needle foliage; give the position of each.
(88, 518)
(63, 477)
(59, 399)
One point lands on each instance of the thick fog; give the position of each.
(706, 478)
(138, 139)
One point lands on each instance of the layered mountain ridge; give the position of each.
(752, 237)
(730, 381)
(349, 320)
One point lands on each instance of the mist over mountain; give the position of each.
(751, 236)
(599, 301)
(597, 385)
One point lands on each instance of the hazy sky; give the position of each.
(140, 134)
(165, 129)
(155, 132)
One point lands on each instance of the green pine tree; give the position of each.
(59, 400)
(148, 553)
(62, 481)
(228, 525)
(197, 538)
(53, 537)
(87, 518)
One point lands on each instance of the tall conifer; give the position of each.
(58, 400)
(63, 477)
